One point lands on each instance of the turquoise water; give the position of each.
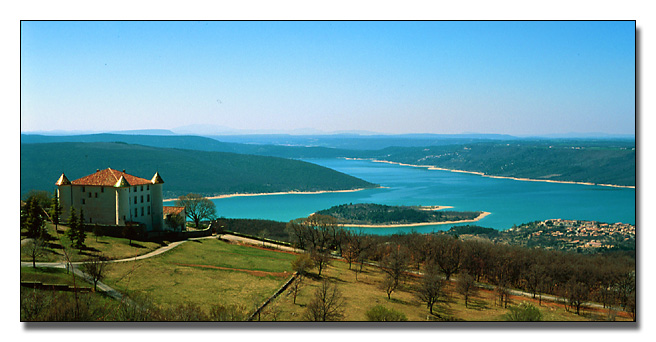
(509, 201)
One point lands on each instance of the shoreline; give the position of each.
(430, 167)
(276, 193)
(478, 218)
(434, 207)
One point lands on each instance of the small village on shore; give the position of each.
(583, 236)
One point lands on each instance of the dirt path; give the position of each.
(258, 243)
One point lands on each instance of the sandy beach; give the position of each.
(481, 216)
(434, 207)
(429, 167)
(277, 193)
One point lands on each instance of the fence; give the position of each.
(281, 290)
(53, 287)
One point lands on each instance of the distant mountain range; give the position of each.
(598, 160)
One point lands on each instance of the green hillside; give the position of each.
(600, 162)
(183, 171)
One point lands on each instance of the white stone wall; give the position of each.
(140, 205)
(157, 207)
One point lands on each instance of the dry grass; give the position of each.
(365, 293)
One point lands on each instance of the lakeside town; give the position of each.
(582, 236)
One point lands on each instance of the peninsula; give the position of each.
(371, 215)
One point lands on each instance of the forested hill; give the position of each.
(183, 171)
(599, 162)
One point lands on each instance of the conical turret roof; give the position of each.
(121, 183)
(63, 180)
(157, 179)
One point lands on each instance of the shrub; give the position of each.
(525, 312)
(380, 313)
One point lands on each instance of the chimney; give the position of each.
(123, 170)
(97, 170)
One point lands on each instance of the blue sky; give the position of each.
(516, 78)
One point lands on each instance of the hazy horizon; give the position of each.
(518, 78)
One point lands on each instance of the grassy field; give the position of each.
(112, 248)
(205, 272)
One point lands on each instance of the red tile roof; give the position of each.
(109, 177)
(173, 210)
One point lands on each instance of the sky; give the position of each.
(446, 77)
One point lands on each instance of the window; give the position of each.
(148, 210)
(142, 211)
(89, 195)
(102, 189)
(147, 187)
(82, 189)
(96, 195)
(142, 188)
(141, 198)
(83, 202)
(135, 212)
(135, 199)
(135, 189)
(147, 198)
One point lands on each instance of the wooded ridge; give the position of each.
(183, 171)
(369, 213)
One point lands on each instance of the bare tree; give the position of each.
(430, 289)
(95, 268)
(321, 259)
(327, 304)
(35, 248)
(448, 253)
(197, 207)
(466, 286)
(389, 285)
(296, 231)
(296, 285)
(577, 293)
(395, 264)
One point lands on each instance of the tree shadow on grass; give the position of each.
(477, 304)
(55, 245)
(331, 279)
(136, 245)
(398, 301)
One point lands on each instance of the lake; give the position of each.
(509, 201)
